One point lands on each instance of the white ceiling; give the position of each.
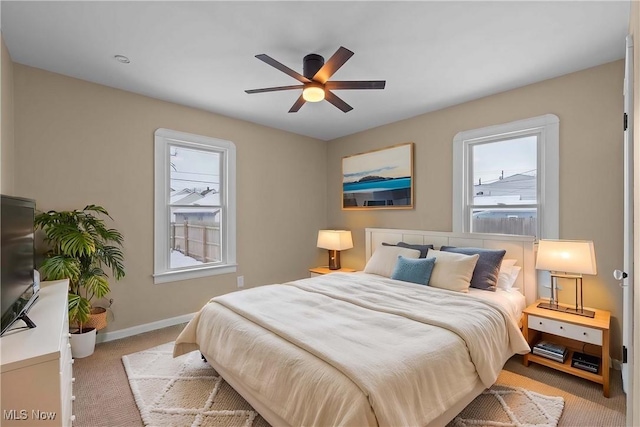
(201, 54)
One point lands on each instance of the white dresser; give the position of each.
(37, 374)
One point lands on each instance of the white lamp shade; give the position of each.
(569, 256)
(337, 240)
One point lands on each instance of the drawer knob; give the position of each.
(561, 327)
(73, 380)
(73, 418)
(541, 323)
(73, 398)
(584, 333)
(72, 361)
(68, 345)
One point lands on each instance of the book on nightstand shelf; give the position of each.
(551, 351)
(585, 362)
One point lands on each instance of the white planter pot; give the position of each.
(82, 345)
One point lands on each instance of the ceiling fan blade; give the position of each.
(333, 64)
(332, 98)
(269, 60)
(296, 106)
(274, 89)
(362, 84)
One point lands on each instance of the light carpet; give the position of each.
(186, 391)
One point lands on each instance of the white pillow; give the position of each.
(452, 271)
(383, 261)
(507, 264)
(504, 276)
(507, 278)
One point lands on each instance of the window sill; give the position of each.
(175, 276)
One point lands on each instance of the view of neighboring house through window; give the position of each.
(194, 206)
(506, 178)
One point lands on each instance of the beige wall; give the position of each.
(589, 104)
(6, 121)
(79, 143)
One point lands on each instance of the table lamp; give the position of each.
(335, 241)
(566, 259)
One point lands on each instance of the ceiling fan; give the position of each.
(315, 79)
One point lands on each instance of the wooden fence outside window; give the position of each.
(198, 241)
(519, 226)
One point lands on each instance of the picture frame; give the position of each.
(379, 179)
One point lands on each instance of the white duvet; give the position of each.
(355, 349)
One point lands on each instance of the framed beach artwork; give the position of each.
(380, 179)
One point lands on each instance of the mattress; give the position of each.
(355, 349)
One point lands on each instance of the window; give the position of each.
(195, 218)
(506, 179)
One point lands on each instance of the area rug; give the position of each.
(504, 406)
(186, 391)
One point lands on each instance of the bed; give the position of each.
(363, 349)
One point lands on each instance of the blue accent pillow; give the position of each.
(485, 275)
(422, 248)
(414, 270)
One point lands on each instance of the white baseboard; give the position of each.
(135, 330)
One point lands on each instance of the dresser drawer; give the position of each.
(567, 330)
(66, 380)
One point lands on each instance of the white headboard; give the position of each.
(520, 248)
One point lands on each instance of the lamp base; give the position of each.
(334, 260)
(576, 311)
(551, 306)
(581, 312)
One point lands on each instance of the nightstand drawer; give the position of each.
(567, 330)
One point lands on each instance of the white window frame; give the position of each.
(547, 128)
(163, 139)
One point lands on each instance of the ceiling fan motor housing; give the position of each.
(311, 64)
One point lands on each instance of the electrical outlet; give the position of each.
(240, 282)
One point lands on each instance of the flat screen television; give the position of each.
(17, 259)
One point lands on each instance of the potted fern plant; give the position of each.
(81, 248)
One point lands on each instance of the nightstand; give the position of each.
(319, 271)
(577, 333)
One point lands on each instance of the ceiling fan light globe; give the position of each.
(313, 94)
